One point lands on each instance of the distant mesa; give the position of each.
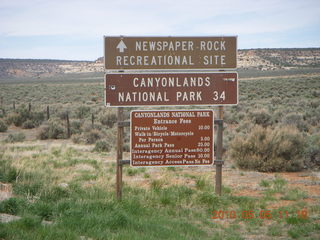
(259, 59)
(100, 60)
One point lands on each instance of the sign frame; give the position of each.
(179, 110)
(170, 105)
(135, 69)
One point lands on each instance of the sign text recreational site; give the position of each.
(160, 53)
(172, 138)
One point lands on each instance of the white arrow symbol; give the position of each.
(121, 46)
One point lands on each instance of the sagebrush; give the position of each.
(268, 149)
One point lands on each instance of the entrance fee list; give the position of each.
(172, 138)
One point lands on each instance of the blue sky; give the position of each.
(74, 29)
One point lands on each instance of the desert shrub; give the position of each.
(206, 198)
(126, 147)
(33, 120)
(157, 184)
(314, 121)
(43, 133)
(17, 137)
(75, 127)
(233, 117)
(244, 126)
(19, 117)
(229, 135)
(269, 150)
(91, 136)
(97, 126)
(294, 194)
(316, 93)
(37, 117)
(14, 118)
(52, 131)
(12, 205)
(277, 115)
(43, 210)
(63, 115)
(313, 151)
(22, 117)
(201, 183)
(8, 173)
(111, 136)
(2, 113)
(76, 138)
(56, 131)
(3, 126)
(229, 118)
(264, 183)
(314, 104)
(23, 112)
(275, 101)
(294, 119)
(82, 112)
(87, 127)
(28, 124)
(312, 116)
(102, 146)
(132, 171)
(29, 188)
(108, 119)
(261, 117)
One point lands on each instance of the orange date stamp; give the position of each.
(258, 214)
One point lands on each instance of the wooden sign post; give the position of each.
(119, 153)
(219, 162)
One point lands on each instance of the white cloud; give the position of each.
(153, 17)
(91, 19)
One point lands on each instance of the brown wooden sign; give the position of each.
(171, 89)
(159, 53)
(172, 138)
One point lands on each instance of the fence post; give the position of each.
(119, 153)
(92, 120)
(219, 161)
(29, 107)
(14, 105)
(2, 107)
(68, 126)
(48, 113)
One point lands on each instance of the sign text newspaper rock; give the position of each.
(160, 53)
